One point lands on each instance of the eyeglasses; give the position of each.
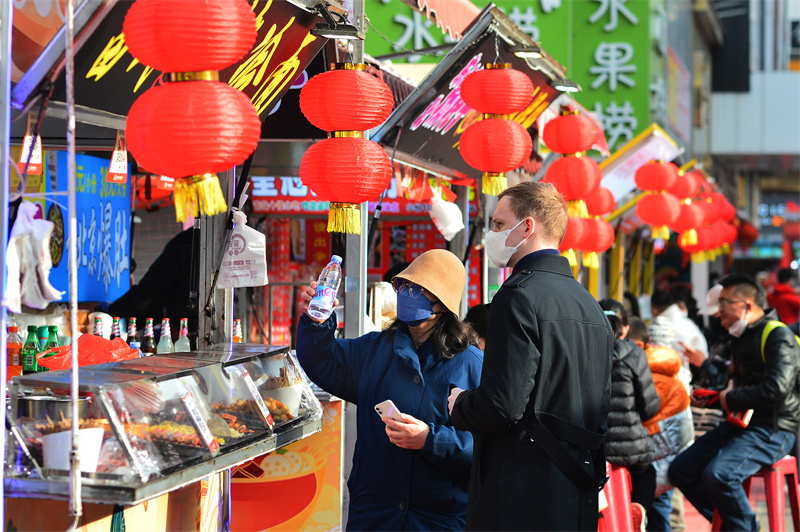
(724, 302)
(401, 285)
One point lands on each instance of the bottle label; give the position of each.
(325, 294)
(14, 356)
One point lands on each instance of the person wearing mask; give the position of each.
(539, 413)
(784, 298)
(687, 333)
(633, 400)
(671, 429)
(411, 474)
(764, 379)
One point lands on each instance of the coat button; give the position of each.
(402, 506)
(417, 379)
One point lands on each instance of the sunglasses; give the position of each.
(401, 285)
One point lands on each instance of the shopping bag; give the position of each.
(446, 216)
(245, 260)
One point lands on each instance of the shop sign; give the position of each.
(103, 229)
(679, 96)
(109, 78)
(404, 28)
(288, 195)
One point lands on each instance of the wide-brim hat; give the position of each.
(441, 273)
(712, 301)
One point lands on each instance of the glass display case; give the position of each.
(152, 424)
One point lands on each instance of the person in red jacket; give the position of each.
(783, 298)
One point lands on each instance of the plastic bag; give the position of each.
(91, 350)
(245, 260)
(446, 216)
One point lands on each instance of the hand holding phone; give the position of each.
(388, 409)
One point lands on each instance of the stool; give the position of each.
(774, 475)
(617, 490)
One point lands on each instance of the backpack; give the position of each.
(771, 325)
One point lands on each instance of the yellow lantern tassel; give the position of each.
(580, 209)
(494, 183)
(344, 218)
(570, 256)
(726, 249)
(590, 260)
(688, 238)
(661, 232)
(698, 257)
(198, 194)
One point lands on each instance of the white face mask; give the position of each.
(739, 325)
(496, 248)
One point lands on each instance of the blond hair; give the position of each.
(543, 203)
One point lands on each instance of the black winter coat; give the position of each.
(633, 399)
(769, 385)
(548, 348)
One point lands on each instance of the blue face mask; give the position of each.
(414, 310)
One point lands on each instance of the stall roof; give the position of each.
(452, 16)
(426, 126)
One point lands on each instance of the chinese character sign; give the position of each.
(103, 230)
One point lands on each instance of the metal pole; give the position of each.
(6, 19)
(75, 506)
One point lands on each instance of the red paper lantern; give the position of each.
(711, 210)
(697, 245)
(574, 177)
(574, 233)
(700, 180)
(498, 89)
(656, 176)
(685, 187)
(600, 202)
(689, 217)
(346, 170)
(495, 145)
(184, 129)
(730, 233)
(728, 212)
(570, 133)
(603, 236)
(189, 35)
(365, 101)
(658, 210)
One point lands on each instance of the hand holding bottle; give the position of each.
(307, 295)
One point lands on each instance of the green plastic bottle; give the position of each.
(52, 338)
(29, 351)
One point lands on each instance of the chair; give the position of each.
(617, 516)
(774, 475)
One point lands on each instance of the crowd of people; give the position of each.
(506, 421)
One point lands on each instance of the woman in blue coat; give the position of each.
(411, 474)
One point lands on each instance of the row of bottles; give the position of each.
(22, 355)
(148, 345)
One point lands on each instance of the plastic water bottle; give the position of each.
(327, 286)
(136, 345)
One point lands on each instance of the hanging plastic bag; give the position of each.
(245, 260)
(446, 216)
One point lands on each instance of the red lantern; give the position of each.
(571, 132)
(600, 202)
(198, 113)
(658, 210)
(689, 217)
(656, 176)
(345, 171)
(574, 177)
(495, 146)
(189, 35)
(730, 233)
(700, 180)
(574, 233)
(366, 101)
(728, 212)
(712, 211)
(604, 238)
(499, 90)
(685, 187)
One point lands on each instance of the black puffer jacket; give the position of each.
(633, 399)
(769, 385)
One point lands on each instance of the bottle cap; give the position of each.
(52, 328)
(336, 258)
(136, 345)
(33, 328)
(13, 329)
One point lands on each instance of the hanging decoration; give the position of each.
(346, 169)
(193, 126)
(496, 144)
(576, 227)
(658, 208)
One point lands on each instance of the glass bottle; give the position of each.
(29, 351)
(237, 331)
(149, 342)
(14, 352)
(132, 331)
(183, 345)
(114, 328)
(98, 326)
(165, 344)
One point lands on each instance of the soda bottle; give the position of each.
(14, 350)
(149, 342)
(322, 305)
(165, 344)
(52, 338)
(114, 328)
(183, 345)
(98, 326)
(29, 351)
(237, 331)
(132, 332)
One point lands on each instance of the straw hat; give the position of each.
(440, 273)
(712, 301)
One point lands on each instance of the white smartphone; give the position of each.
(388, 409)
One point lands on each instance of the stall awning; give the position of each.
(452, 16)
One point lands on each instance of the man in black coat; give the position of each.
(539, 414)
(764, 380)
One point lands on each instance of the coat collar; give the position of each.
(547, 260)
(405, 349)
